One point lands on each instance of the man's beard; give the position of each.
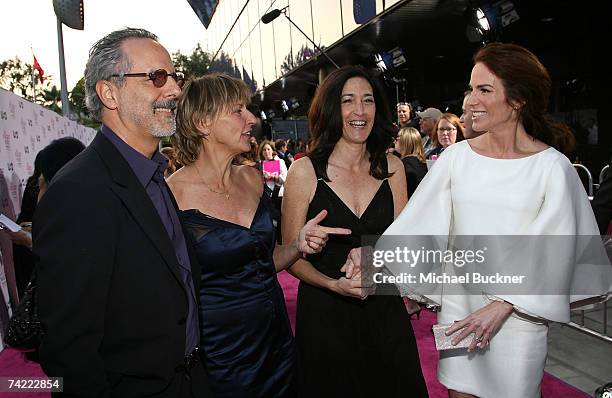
(159, 131)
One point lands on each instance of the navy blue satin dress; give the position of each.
(248, 346)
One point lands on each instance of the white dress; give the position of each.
(466, 193)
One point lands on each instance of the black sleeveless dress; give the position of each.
(248, 347)
(348, 347)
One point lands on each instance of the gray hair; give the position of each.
(105, 59)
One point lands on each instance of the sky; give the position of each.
(30, 26)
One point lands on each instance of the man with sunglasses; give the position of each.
(116, 286)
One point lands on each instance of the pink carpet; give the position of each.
(13, 362)
(551, 386)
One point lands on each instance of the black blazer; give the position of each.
(110, 293)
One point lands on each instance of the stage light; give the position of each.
(263, 115)
(285, 106)
(487, 23)
(398, 57)
(507, 12)
(294, 103)
(482, 20)
(380, 63)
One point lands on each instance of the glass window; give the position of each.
(211, 32)
(347, 17)
(254, 43)
(302, 49)
(387, 4)
(252, 15)
(220, 26)
(267, 45)
(282, 40)
(327, 21)
(245, 59)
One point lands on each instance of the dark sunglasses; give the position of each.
(159, 77)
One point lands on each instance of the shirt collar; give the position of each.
(143, 167)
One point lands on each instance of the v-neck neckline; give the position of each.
(360, 218)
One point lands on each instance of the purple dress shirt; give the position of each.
(150, 173)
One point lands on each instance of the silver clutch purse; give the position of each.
(443, 342)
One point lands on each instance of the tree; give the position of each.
(302, 55)
(78, 107)
(19, 77)
(224, 64)
(16, 76)
(199, 63)
(77, 99)
(50, 98)
(194, 65)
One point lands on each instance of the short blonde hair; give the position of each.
(204, 99)
(410, 143)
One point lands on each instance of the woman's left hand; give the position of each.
(484, 323)
(313, 237)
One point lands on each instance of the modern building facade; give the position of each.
(425, 46)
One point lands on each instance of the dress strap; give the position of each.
(317, 173)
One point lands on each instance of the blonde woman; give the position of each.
(245, 335)
(408, 145)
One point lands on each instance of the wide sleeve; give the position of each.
(74, 237)
(564, 259)
(423, 226)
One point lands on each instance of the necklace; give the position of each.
(227, 191)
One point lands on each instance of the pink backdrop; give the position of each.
(25, 129)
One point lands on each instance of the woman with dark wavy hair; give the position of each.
(510, 183)
(349, 344)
